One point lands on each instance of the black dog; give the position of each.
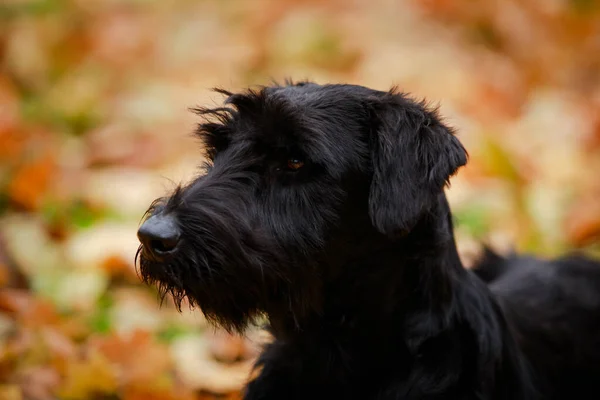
(323, 208)
(555, 308)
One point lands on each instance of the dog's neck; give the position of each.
(376, 280)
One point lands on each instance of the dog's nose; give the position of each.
(159, 234)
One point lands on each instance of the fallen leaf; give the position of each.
(134, 310)
(29, 184)
(135, 149)
(120, 37)
(10, 392)
(12, 143)
(10, 275)
(496, 161)
(582, 223)
(15, 348)
(226, 347)
(88, 377)
(76, 290)
(117, 267)
(27, 309)
(9, 116)
(197, 369)
(138, 357)
(90, 249)
(29, 246)
(4, 275)
(38, 383)
(7, 326)
(140, 393)
(127, 191)
(62, 349)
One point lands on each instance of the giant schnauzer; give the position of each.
(323, 209)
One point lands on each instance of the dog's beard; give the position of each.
(232, 296)
(223, 301)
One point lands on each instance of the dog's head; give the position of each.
(293, 169)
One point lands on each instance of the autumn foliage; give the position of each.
(93, 126)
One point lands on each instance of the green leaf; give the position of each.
(30, 8)
(172, 332)
(473, 219)
(100, 320)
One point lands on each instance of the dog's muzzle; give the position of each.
(160, 235)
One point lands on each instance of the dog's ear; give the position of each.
(413, 155)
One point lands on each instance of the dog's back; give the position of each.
(554, 307)
(491, 265)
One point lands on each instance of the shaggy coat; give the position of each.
(323, 208)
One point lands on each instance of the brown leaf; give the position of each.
(62, 349)
(39, 383)
(140, 359)
(9, 118)
(15, 300)
(226, 347)
(135, 148)
(30, 311)
(15, 347)
(121, 37)
(10, 275)
(4, 274)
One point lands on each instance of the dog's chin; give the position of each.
(155, 274)
(233, 312)
(222, 308)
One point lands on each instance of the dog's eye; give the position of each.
(294, 164)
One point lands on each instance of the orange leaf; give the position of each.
(4, 274)
(31, 181)
(139, 393)
(9, 113)
(116, 266)
(140, 358)
(11, 143)
(583, 223)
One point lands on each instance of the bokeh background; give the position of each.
(94, 124)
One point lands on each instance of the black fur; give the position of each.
(554, 306)
(351, 256)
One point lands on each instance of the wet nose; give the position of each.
(159, 234)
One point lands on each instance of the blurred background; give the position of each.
(94, 124)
